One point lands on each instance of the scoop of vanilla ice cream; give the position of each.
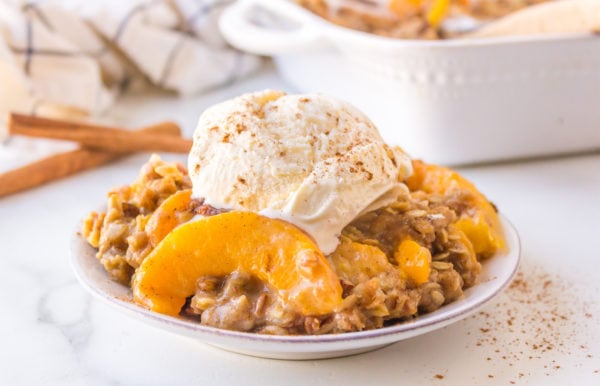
(311, 160)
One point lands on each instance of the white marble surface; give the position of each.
(54, 333)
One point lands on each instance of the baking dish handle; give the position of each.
(241, 32)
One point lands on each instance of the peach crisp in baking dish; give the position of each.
(414, 19)
(294, 218)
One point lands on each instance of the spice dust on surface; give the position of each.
(536, 320)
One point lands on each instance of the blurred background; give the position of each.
(456, 81)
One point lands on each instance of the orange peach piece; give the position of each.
(414, 261)
(437, 12)
(485, 239)
(273, 250)
(480, 223)
(404, 8)
(168, 215)
(466, 241)
(356, 262)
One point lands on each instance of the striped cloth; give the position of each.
(74, 57)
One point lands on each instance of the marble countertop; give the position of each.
(545, 329)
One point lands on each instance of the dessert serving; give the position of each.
(295, 218)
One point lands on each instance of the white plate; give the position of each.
(496, 275)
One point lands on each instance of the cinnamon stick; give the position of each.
(65, 164)
(98, 137)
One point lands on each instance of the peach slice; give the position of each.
(404, 8)
(171, 212)
(479, 222)
(437, 12)
(483, 235)
(356, 262)
(273, 250)
(414, 261)
(436, 9)
(471, 264)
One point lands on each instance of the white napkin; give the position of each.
(74, 57)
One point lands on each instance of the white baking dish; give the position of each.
(455, 101)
